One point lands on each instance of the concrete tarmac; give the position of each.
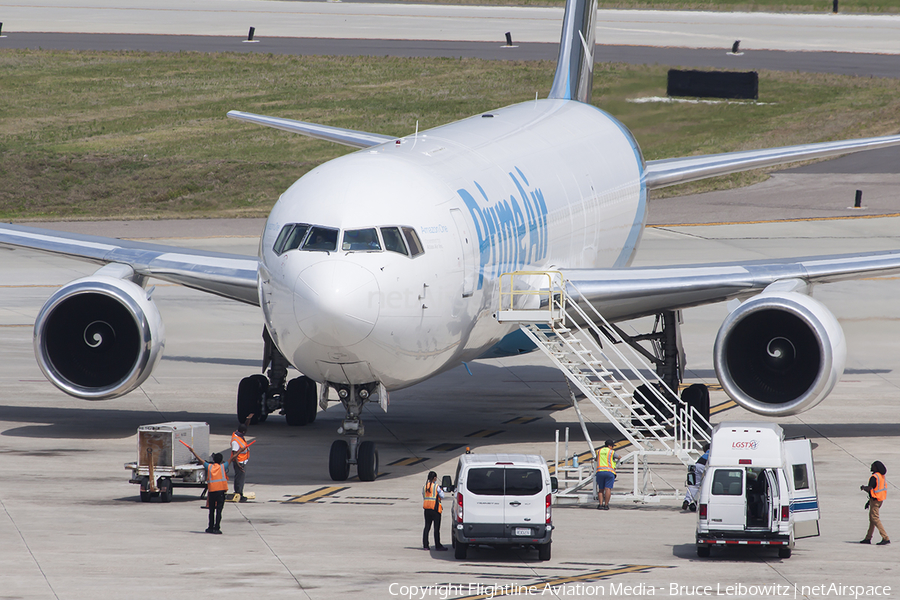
(74, 528)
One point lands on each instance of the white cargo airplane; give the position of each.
(379, 269)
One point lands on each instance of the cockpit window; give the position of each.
(361, 240)
(415, 246)
(290, 238)
(393, 241)
(321, 238)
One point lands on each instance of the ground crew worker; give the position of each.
(216, 486)
(240, 454)
(432, 495)
(606, 474)
(694, 479)
(877, 489)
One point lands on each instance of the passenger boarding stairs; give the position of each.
(569, 333)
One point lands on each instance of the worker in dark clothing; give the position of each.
(877, 489)
(240, 454)
(432, 495)
(216, 485)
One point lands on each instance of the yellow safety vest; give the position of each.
(244, 447)
(430, 495)
(880, 491)
(605, 460)
(216, 480)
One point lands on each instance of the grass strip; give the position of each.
(94, 135)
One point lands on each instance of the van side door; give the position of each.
(727, 507)
(802, 487)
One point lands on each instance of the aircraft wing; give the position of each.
(229, 275)
(629, 293)
(671, 171)
(348, 137)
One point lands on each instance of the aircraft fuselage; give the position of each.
(527, 187)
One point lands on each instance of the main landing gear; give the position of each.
(261, 395)
(351, 451)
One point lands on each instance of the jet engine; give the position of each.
(779, 353)
(99, 337)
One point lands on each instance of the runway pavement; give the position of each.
(823, 32)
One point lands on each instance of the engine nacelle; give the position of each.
(780, 353)
(98, 337)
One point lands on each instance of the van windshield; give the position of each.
(497, 481)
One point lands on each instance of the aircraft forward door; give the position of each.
(467, 249)
(801, 479)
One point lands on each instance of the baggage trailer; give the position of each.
(163, 462)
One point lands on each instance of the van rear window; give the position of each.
(523, 482)
(518, 482)
(728, 482)
(801, 477)
(486, 482)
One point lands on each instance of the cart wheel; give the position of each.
(145, 489)
(165, 489)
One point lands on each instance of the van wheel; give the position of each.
(459, 551)
(544, 551)
(784, 553)
(703, 551)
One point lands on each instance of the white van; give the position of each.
(758, 489)
(501, 499)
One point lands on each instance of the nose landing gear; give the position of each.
(351, 451)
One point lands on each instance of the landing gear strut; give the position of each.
(351, 451)
(261, 395)
(667, 355)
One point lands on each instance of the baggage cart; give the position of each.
(163, 462)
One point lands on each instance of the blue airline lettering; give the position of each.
(512, 233)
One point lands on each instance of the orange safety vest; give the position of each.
(216, 480)
(244, 452)
(605, 460)
(430, 494)
(880, 491)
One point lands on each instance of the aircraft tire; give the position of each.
(311, 400)
(296, 411)
(367, 461)
(544, 551)
(697, 395)
(250, 396)
(339, 460)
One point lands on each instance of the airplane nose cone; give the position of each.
(336, 302)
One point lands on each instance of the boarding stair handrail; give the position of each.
(662, 427)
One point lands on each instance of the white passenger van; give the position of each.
(758, 489)
(501, 499)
